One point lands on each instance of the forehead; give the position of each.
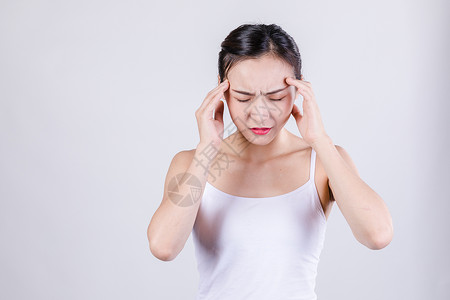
(262, 73)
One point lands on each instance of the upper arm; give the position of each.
(344, 154)
(179, 164)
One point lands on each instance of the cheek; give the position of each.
(232, 108)
(283, 112)
(282, 109)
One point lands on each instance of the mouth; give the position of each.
(260, 130)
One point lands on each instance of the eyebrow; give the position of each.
(268, 93)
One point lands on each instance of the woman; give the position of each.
(257, 201)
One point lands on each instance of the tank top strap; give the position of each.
(313, 164)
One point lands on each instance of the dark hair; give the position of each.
(255, 40)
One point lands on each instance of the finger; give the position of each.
(213, 93)
(298, 83)
(215, 90)
(218, 112)
(307, 94)
(310, 107)
(302, 79)
(213, 103)
(225, 82)
(307, 97)
(302, 88)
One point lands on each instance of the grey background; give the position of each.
(96, 97)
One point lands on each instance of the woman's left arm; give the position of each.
(364, 210)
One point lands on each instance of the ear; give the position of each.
(218, 79)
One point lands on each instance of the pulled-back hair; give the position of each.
(255, 40)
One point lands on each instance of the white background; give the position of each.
(96, 97)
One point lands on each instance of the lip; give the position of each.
(260, 130)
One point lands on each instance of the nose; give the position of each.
(259, 110)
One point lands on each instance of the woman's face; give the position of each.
(253, 81)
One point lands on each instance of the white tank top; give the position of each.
(259, 248)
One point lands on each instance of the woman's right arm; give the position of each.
(174, 219)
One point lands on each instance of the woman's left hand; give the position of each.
(310, 123)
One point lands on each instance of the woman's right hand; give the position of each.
(211, 129)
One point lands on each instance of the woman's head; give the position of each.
(256, 59)
(256, 40)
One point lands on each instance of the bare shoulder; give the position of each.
(297, 143)
(179, 164)
(186, 153)
(346, 156)
(182, 159)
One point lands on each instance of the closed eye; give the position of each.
(245, 100)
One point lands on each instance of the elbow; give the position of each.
(161, 253)
(381, 240)
(378, 244)
(156, 249)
